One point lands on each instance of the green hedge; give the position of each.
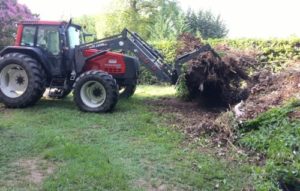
(274, 53)
(272, 50)
(168, 50)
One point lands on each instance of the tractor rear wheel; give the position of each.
(95, 91)
(22, 80)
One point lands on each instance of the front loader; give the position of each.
(53, 55)
(131, 43)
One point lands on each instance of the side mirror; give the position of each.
(89, 35)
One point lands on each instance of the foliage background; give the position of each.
(10, 13)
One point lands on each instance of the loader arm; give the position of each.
(193, 54)
(130, 42)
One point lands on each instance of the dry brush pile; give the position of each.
(235, 76)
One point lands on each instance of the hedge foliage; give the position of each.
(168, 50)
(274, 53)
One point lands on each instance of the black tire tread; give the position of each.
(36, 75)
(112, 94)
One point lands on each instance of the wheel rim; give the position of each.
(13, 80)
(93, 94)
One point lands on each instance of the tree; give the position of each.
(154, 19)
(10, 13)
(131, 14)
(88, 22)
(168, 21)
(206, 24)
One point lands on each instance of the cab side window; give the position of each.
(48, 39)
(28, 36)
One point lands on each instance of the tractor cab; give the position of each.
(54, 40)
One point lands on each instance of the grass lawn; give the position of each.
(54, 146)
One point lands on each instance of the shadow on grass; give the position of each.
(142, 94)
(67, 103)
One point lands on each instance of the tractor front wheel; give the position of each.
(95, 91)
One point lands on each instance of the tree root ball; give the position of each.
(212, 80)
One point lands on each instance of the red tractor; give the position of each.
(53, 55)
(44, 56)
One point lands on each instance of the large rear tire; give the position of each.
(95, 91)
(22, 80)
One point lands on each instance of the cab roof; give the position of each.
(35, 22)
(50, 23)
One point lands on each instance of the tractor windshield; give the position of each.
(75, 36)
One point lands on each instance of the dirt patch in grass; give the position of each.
(5, 112)
(210, 128)
(189, 117)
(31, 171)
(146, 185)
(36, 169)
(2, 108)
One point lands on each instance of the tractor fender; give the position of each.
(132, 72)
(33, 52)
(132, 67)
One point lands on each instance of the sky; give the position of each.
(244, 18)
